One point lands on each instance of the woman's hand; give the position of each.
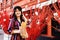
(25, 19)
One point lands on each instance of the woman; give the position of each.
(15, 24)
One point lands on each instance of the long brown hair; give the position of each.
(21, 16)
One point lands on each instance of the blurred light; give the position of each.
(30, 20)
(33, 7)
(23, 9)
(37, 6)
(26, 14)
(36, 13)
(10, 13)
(55, 14)
(4, 19)
(1, 25)
(46, 18)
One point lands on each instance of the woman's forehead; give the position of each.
(17, 10)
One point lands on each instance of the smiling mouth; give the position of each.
(18, 13)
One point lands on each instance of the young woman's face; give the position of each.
(18, 13)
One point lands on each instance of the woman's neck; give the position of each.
(18, 18)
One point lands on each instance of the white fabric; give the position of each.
(7, 37)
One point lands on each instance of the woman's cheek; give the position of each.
(17, 14)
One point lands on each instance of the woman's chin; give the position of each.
(18, 15)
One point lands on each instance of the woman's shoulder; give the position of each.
(12, 20)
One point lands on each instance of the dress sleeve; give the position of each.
(10, 26)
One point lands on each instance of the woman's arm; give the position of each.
(10, 27)
(25, 19)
